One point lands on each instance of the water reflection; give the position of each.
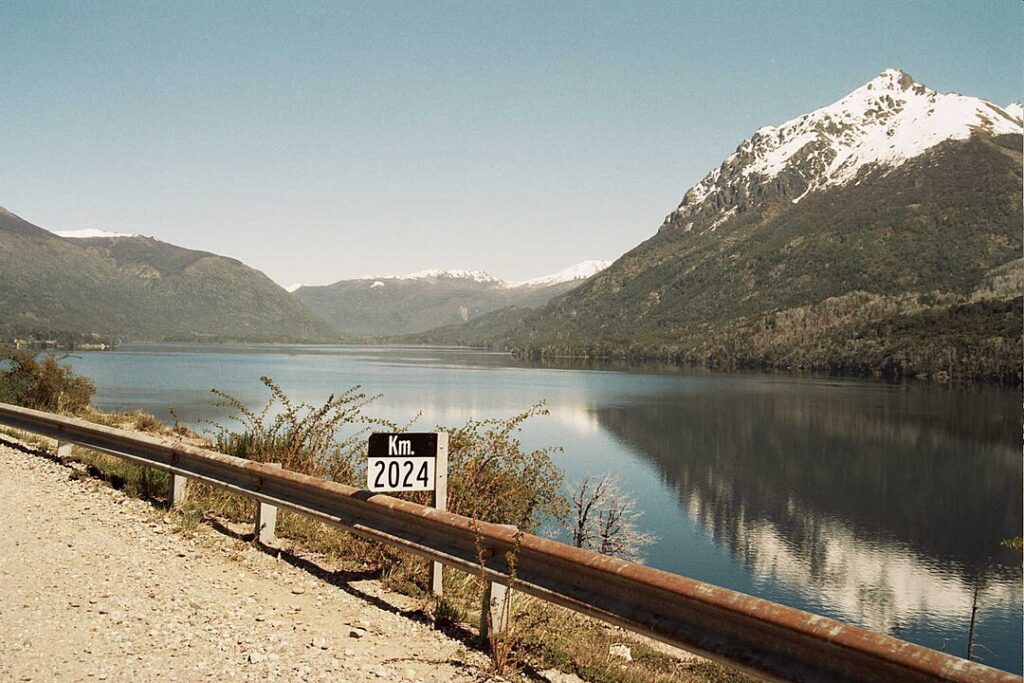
(885, 520)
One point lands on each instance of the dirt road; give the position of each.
(97, 586)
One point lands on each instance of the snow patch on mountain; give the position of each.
(885, 122)
(1015, 109)
(91, 232)
(579, 271)
(455, 274)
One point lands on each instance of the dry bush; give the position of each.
(302, 437)
(43, 384)
(491, 477)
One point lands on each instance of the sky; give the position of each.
(325, 141)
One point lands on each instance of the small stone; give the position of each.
(298, 591)
(621, 651)
(380, 672)
(356, 633)
(256, 657)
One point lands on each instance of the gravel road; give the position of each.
(97, 586)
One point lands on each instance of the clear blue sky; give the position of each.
(318, 141)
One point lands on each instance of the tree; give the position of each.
(605, 519)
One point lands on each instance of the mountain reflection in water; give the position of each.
(884, 520)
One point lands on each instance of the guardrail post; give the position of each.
(63, 449)
(266, 518)
(178, 491)
(497, 605)
(496, 608)
(440, 503)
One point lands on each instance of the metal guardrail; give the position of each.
(762, 638)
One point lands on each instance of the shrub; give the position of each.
(491, 477)
(43, 384)
(303, 438)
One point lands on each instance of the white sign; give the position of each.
(402, 462)
(401, 474)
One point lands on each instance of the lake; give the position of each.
(877, 504)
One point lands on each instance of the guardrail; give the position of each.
(762, 638)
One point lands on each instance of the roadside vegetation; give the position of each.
(492, 477)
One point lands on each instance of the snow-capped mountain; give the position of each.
(881, 233)
(881, 124)
(579, 271)
(440, 274)
(388, 305)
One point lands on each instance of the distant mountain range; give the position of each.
(79, 284)
(114, 285)
(390, 305)
(881, 233)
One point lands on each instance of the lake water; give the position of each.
(875, 504)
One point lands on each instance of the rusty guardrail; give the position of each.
(762, 638)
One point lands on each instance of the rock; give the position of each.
(256, 657)
(621, 651)
(556, 676)
(355, 632)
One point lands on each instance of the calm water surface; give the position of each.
(875, 504)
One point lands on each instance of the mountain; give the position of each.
(395, 305)
(864, 236)
(129, 286)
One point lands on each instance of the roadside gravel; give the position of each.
(97, 586)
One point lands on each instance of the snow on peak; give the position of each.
(579, 271)
(294, 286)
(91, 232)
(885, 122)
(1015, 109)
(454, 274)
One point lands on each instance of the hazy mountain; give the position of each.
(401, 304)
(113, 284)
(863, 235)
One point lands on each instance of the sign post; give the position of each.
(411, 461)
(441, 503)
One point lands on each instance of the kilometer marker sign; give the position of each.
(411, 462)
(402, 462)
